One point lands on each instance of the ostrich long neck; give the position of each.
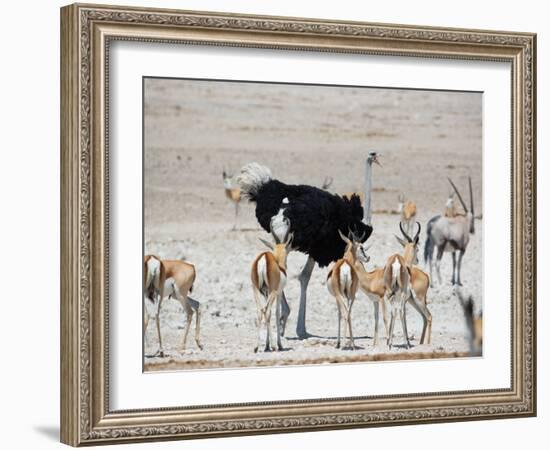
(368, 189)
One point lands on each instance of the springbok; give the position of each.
(373, 286)
(419, 282)
(172, 278)
(153, 272)
(404, 283)
(233, 193)
(343, 282)
(371, 283)
(268, 277)
(407, 209)
(474, 322)
(450, 234)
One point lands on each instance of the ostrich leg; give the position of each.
(304, 278)
(284, 313)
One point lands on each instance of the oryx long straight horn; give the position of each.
(458, 195)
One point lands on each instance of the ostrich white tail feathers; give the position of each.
(251, 178)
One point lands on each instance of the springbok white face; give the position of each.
(355, 246)
(361, 253)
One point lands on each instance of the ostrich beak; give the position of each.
(376, 160)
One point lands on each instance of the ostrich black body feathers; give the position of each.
(315, 217)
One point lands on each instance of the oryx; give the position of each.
(450, 234)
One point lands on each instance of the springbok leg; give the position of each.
(403, 317)
(339, 325)
(376, 305)
(420, 305)
(278, 321)
(195, 305)
(159, 334)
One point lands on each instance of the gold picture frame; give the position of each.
(86, 32)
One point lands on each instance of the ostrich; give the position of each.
(315, 216)
(233, 193)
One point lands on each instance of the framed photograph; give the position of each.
(276, 224)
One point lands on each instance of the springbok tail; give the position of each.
(395, 272)
(251, 178)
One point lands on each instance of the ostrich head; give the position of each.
(373, 158)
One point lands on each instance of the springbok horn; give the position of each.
(344, 238)
(359, 238)
(354, 236)
(418, 232)
(403, 231)
(458, 195)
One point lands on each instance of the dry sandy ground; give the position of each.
(195, 129)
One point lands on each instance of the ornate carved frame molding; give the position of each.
(86, 32)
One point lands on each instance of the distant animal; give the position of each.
(474, 322)
(268, 277)
(171, 278)
(315, 217)
(327, 183)
(450, 207)
(450, 234)
(233, 193)
(342, 283)
(407, 209)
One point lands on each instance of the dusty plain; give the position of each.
(196, 129)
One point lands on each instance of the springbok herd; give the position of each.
(395, 283)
